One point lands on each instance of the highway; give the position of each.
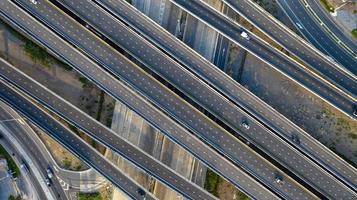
(330, 23)
(269, 116)
(69, 140)
(273, 57)
(294, 44)
(60, 48)
(102, 134)
(314, 33)
(19, 132)
(164, 98)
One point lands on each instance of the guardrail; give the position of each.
(335, 37)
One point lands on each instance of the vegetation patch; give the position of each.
(14, 198)
(327, 5)
(354, 33)
(37, 54)
(241, 196)
(89, 196)
(211, 182)
(10, 162)
(84, 81)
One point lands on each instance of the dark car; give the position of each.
(141, 192)
(295, 138)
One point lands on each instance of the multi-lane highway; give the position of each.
(106, 25)
(294, 44)
(103, 62)
(289, 67)
(16, 17)
(313, 31)
(228, 87)
(69, 140)
(326, 18)
(38, 160)
(182, 111)
(101, 133)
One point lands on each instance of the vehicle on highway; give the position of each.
(295, 138)
(49, 173)
(245, 124)
(48, 182)
(245, 35)
(299, 25)
(34, 1)
(278, 179)
(24, 166)
(141, 192)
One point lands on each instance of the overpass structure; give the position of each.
(79, 45)
(69, 140)
(315, 30)
(101, 133)
(273, 57)
(176, 107)
(213, 76)
(171, 71)
(179, 135)
(295, 44)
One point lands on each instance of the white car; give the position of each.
(245, 125)
(49, 173)
(245, 35)
(34, 1)
(278, 179)
(299, 25)
(48, 182)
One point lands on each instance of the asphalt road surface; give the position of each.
(70, 140)
(101, 21)
(315, 34)
(38, 159)
(231, 89)
(61, 49)
(289, 67)
(294, 44)
(191, 117)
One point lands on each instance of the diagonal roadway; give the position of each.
(224, 84)
(290, 68)
(327, 18)
(101, 133)
(69, 140)
(295, 44)
(314, 33)
(16, 17)
(21, 133)
(176, 75)
(176, 107)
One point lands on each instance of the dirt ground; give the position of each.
(56, 77)
(227, 191)
(64, 158)
(319, 119)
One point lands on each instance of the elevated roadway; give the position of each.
(164, 98)
(295, 44)
(101, 133)
(282, 63)
(224, 84)
(108, 26)
(19, 19)
(313, 30)
(69, 140)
